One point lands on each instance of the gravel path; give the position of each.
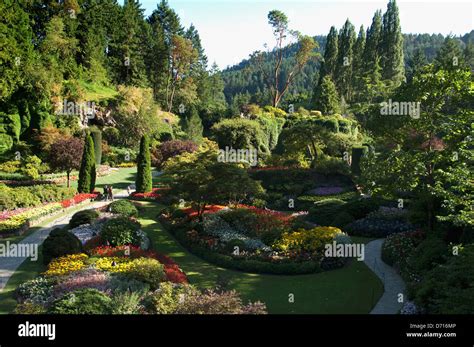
(393, 283)
(8, 265)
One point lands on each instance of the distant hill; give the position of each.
(242, 81)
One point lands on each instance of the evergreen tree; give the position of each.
(87, 172)
(326, 97)
(469, 55)
(358, 65)
(157, 60)
(372, 45)
(450, 56)
(346, 40)
(328, 66)
(417, 62)
(128, 46)
(144, 181)
(392, 60)
(192, 125)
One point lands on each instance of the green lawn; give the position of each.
(353, 289)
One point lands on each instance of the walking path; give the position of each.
(8, 265)
(393, 283)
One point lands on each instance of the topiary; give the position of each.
(323, 212)
(60, 242)
(82, 301)
(124, 208)
(147, 270)
(342, 219)
(83, 217)
(121, 231)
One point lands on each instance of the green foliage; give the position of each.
(121, 231)
(147, 270)
(60, 242)
(32, 196)
(447, 288)
(97, 138)
(144, 179)
(82, 301)
(83, 217)
(124, 208)
(87, 173)
(357, 154)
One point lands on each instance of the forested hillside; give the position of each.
(244, 83)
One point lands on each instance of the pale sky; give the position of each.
(231, 29)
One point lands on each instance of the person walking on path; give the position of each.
(111, 193)
(106, 193)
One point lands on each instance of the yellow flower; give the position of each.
(66, 264)
(114, 264)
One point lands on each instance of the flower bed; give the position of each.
(252, 240)
(150, 196)
(79, 198)
(20, 222)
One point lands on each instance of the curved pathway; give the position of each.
(392, 282)
(8, 265)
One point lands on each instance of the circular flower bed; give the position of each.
(255, 240)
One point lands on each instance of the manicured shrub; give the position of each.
(310, 241)
(121, 231)
(97, 138)
(60, 242)
(147, 270)
(124, 208)
(32, 196)
(323, 212)
(361, 207)
(83, 301)
(357, 154)
(83, 217)
(87, 171)
(342, 219)
(143, 181)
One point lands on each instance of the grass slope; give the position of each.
(353, 289)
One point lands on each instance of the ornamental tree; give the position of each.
(65, 155)
(87, 172)
(144, 179)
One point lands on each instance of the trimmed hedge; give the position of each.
(123, 208)
(60, 242)
(83, 217)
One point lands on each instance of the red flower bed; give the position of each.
(172, 270)
(153, 195)
(209, 209)
(284, 217)
(78, 199)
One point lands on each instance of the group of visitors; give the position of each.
(108, 193)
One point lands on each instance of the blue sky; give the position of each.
(231, 29)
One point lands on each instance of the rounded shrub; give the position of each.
(147, 270)
(124, 208)
(83, 217)
(83, 301)
(121, 231)
(60, 242)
